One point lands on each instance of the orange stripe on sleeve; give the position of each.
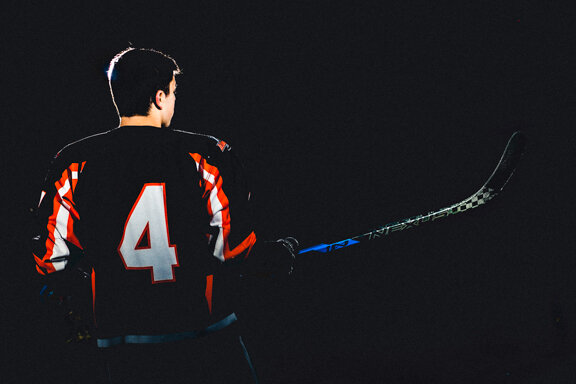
(209, 282)
(61, 222)
(93, 280)
(218, 208)
(246, 245)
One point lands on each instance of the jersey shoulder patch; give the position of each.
(223, 145)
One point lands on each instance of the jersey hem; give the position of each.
(165, 338)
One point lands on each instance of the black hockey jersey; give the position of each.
(156, 212)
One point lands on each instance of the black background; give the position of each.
(349, 115)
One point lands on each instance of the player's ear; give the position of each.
(159, 98)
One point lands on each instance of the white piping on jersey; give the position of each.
(216, 220)
(41, 198)
(64, 189)
(205, 174)
(61, 228)
(198, 134)
(60, 233)
(208, 177)
(62, 192)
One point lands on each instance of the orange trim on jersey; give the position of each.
(38, 269)
(50, 241)
(212, 179)
(74, 167)
(61, 202)
(93, 278)
(247, 244)
(209, 283)
(222, 145)
(72, 218)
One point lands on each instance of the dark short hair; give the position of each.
(135, 75)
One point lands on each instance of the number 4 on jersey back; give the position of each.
(145, 242)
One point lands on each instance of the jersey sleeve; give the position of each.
(227, 202)
(56, 218)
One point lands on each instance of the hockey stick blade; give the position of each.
(491, 188)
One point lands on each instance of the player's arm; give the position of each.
(230, 208)
(56, 248)
(55, 218)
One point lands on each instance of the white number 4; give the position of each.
(145, 243)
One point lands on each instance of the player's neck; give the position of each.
(150, 120)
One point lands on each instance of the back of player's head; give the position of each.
(135, 75)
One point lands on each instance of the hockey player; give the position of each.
(160, 220)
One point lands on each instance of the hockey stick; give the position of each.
(491, 188)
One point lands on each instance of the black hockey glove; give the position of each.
(292, 245)
(272, 257)
(66, 294)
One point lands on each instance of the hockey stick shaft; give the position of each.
(492, 187)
